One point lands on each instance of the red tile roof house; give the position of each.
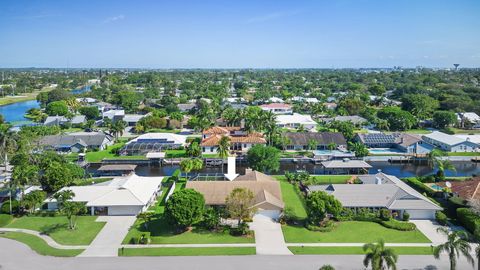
(240, 141)
(277, 108)
(467, 190)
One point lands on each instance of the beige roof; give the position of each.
(215, 192)
(251, 175)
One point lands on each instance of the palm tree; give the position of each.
(301, 128)
(444, 165)
(223, 148)
(455, 245)
(379, 256)
(331, 146)
(6, 143)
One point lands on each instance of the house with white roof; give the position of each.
(450, 143)
(133, 119)
(382, 191)
(275, 100)
(305, 99)
(296, 120)
(468, 119)
(277, 108)
(122, 196)
(114, 115)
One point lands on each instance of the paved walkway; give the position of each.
(110, 238)
(429, 229)
(268, 236)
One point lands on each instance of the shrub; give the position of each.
(441, 218)
(398, 225)
(240, 230)
(5, 209)
(144, 238)
(468, 219)
(420, 187)
(288, 216)
(326, 267)
(325, 226)
(211, 219)
(406, 216)
(5, 220)
(385, 214)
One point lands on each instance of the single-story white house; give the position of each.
(450, 143)
(295, 121)
(114, 115)
(277, 108)
(382, 191)
(122, 196)
(468, 119)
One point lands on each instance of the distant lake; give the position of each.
(14, 112)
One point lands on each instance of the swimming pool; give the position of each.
(436, 187)
(385, 151)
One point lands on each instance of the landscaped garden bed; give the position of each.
(208, 251)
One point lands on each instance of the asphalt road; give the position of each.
(15, 256)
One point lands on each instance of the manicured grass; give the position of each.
(357, 250)
(323, 179)
(352, 232)
(106, 154)
(419, 131)
(465, 131)
(39, 245)
(22, 97)
(5, 219)
(209, 251)
(57, 228)
(176, 153)
(291, 198)
(463, 154)
(90, 181)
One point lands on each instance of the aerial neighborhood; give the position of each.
(240, 162)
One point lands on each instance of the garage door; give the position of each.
(123, 210)
(273, 214)
(421, 214)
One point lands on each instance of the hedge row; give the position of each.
(398, 225)
(468, 219)
(420, 187)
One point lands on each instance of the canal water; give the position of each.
(14, 113)
(399, 170)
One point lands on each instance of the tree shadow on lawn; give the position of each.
(49, 229)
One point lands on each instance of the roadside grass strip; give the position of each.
(200, 251)
(39, 245)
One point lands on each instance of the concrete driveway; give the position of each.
(429, 229)
(108, 241)
(268, 236)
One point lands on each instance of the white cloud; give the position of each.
(114, 18)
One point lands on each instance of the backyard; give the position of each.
(57, 228)
(97, 156)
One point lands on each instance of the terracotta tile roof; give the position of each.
(251, 138)
(467, 189)
(220, 130)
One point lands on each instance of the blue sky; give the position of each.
(239, 34)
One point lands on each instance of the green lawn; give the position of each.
(352, 232)
(463, 154)
(291, 198)
(465, 131)
(39, 245)
(419, 131)
(57, 228)
(91, 181)
(323, 179)
(209, 251)
(106, 154)
(357, 250)
(22, 97)
(176, 153)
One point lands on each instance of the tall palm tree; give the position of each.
(455, 246)
(379, 256)
(223, 148)
(6, 144)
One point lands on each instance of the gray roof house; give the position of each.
(409, 143)
(382, 191)
(450, 143)
(76, 142)
(301, 140)
(62, 120)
